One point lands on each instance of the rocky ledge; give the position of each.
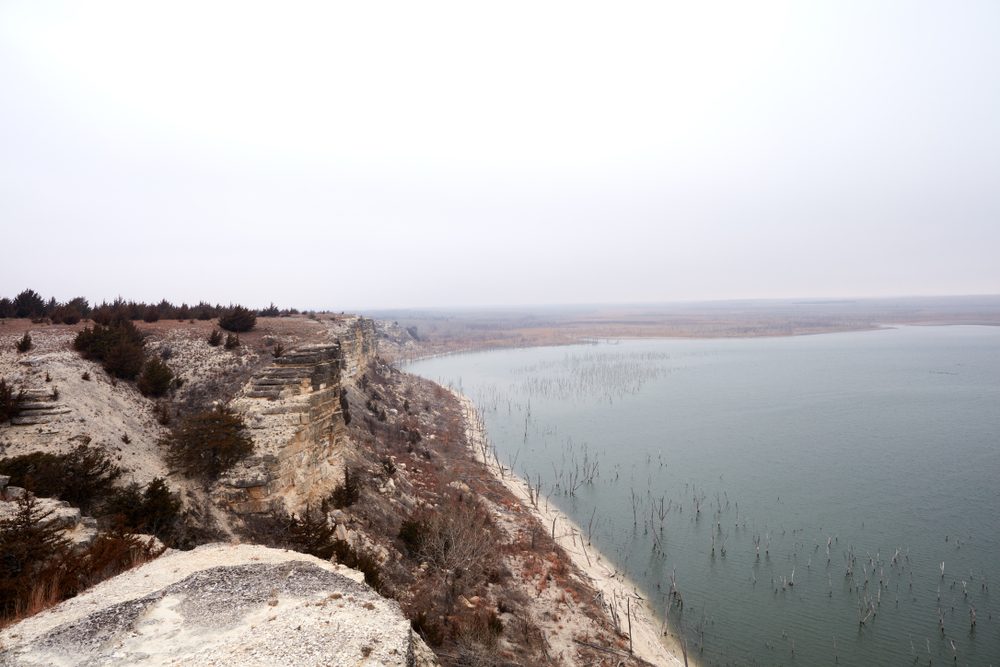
(221, 605)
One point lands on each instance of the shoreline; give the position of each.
(621, 595)
(587, 339)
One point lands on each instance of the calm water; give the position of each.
(746, 458)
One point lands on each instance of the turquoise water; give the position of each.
(731, 465)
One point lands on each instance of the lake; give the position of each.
(782, 500)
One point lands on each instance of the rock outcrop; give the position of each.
(79, 530)
(358, 339)
(39, 406)
(220, 605)
(293, 410)
(294, 413)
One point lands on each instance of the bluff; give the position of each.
(294, 410)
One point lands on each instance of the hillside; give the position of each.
(352, 461)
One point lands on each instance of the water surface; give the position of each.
(729, 466)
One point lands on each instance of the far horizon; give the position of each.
(681, 303)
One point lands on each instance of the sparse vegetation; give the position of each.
(406, 461)
(24, 344)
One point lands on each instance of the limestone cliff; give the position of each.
(293, 409)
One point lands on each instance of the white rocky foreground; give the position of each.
(220, 605)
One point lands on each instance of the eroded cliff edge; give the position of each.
(430, 527)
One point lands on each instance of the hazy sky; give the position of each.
(376, 154)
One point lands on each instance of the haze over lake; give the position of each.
(748, 457)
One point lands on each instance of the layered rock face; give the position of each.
(220, 605)
(358, 341)
(293, 410)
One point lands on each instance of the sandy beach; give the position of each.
(650, 639)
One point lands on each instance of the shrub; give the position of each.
(278, 350)
(86, 376)
(411, 533)
(232, 341)
(461, 541)
(151, 314)
(83, 477)
(118, 346)
(270, 311)
(38, 568)
(29, 303)
(6, 308)
(27, 543)
(10, 401)
(363, 561)
(215, 338)
(154, 510)
(155, 379)
(80, 305)
(208, 443)
(161, 509)
(125, 360)
(124, 506)
(346, 494)
(311, 533)
(388, 467)
(66, 315)
(238, 319)
(110, 554)
(204, 311)
(25, 343)
(162, 412)
(102, 315)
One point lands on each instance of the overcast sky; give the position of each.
(374, 154)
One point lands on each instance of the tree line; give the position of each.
(31, 304)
